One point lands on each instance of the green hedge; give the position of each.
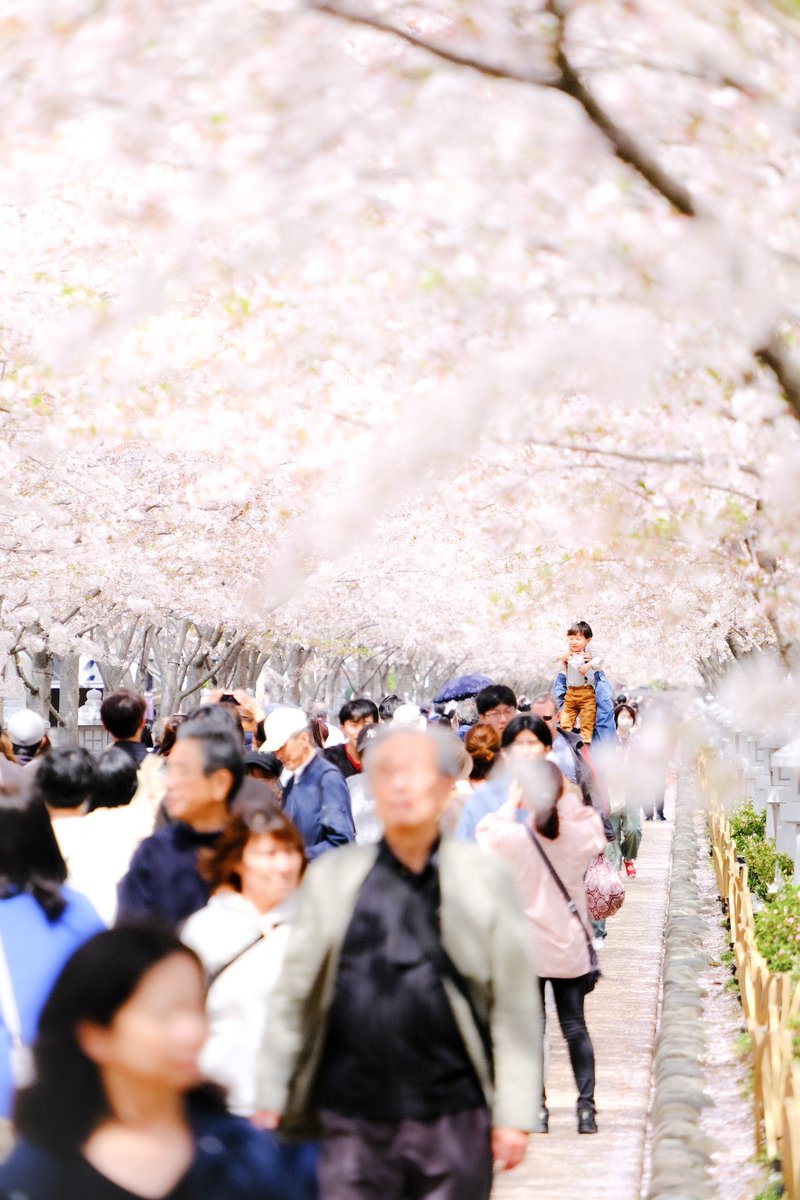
(778, 931)
(749, 830)
(777, 923)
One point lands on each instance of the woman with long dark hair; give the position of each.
(549, 851)
(118, 1109)
(526, 737)
(41, 923)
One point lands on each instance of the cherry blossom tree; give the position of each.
(357, 339)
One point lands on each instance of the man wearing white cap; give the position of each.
(27, 732)
(316, 798)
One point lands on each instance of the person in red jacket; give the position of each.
(353, 717)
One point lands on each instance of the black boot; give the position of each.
(543, 1121)
(587, 1123)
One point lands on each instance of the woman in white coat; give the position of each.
(240, 936)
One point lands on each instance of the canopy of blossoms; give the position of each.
(422, 326)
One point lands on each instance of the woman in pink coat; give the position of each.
(570, 835)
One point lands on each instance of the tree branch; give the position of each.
(625, 147)
(664, 460)
(563, 77)
(34, 691)
(215, 670)
(379, 667)
(493, 70)
(775, 357)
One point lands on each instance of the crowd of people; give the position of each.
(268, 956)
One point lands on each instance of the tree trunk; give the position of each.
(294, 673)
(69, 698)
(331, 691)
(168, 645)
(39, 687)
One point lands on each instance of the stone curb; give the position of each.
(681, 1153)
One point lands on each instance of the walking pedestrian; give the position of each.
(353, 717)
(625, 794)
(124, 714)
(481, 753)
(117, 1109)
(483, 744)
(362, 803)
(27, 732)
(41, 922)
(497, 705)
(204, 774)
(549, 854)
(240, 937)
(97, 846)
(524, 738)
(406, 1019)
(253, 872)
(316, 798)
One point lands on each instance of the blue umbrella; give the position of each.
(461, 687)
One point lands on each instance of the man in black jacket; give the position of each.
(123, 714)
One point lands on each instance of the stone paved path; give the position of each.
(622, 1013)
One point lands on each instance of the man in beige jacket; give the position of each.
(405, 1027)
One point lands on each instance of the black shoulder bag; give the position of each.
(594, 969)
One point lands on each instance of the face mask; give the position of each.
(624, 723)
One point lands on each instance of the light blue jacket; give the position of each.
(36, 950)
(488, 798)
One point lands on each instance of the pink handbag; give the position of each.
(604, 889)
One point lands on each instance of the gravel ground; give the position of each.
(621, 1015)
(729, 1123)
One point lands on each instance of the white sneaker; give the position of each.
(598, 943)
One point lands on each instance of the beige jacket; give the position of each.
(485, 933)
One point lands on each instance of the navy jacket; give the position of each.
(162, 880)
(135, 750)
(319, 805)
(232, 1160)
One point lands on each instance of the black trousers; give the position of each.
(569, 996)
(449, 1158)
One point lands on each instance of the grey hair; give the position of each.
(449, 750)
(544, 696)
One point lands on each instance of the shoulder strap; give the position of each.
(571, 905)
(8, 1002)
(212, 979)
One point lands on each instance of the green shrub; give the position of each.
(772, 1191)
(748, 829)
(761, 859)
(743, 1044)
(747, 823)
(777, 928)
